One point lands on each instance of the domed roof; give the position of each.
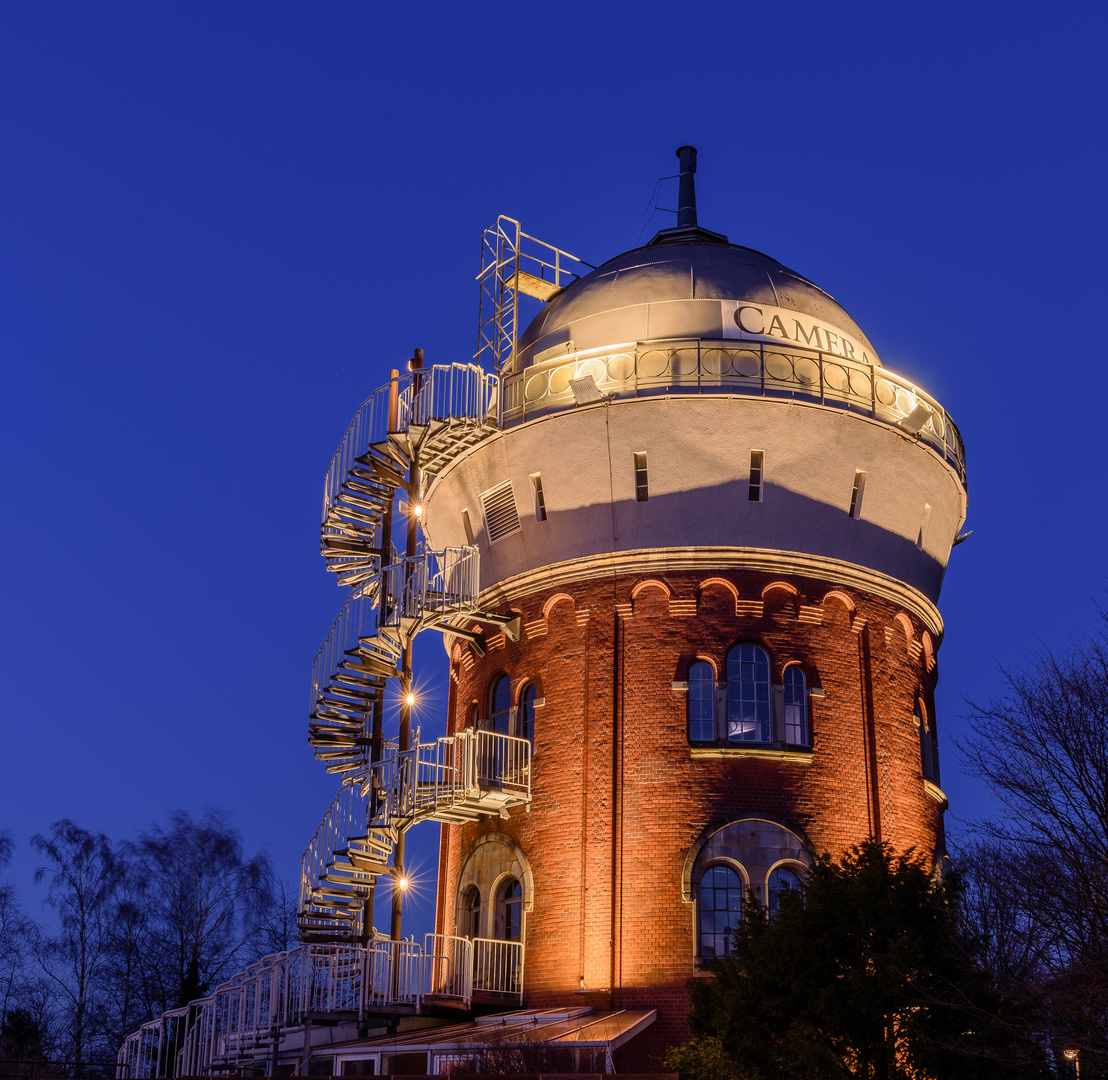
(689, 284)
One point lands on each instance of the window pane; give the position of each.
(499, 704)
(527, 714)
(702, 689)
(720, 900)
(748, 708)
(779, 881)
(796, 707)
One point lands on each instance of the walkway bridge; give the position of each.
(245, 1024)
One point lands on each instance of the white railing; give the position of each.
(247, 1017)
(498, 966)
(740, 368)
(449, 966)
(363, 804)
(429, 585)
(446, 392)
(355, 627)
(461, 769)
(453, 392)
(368, 427)
(500, 762)
(394, 973)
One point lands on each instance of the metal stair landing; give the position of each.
(456, 779)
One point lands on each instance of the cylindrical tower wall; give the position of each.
(624, 801)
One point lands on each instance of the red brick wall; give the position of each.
(617, 798)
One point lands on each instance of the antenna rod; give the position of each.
(686, 196)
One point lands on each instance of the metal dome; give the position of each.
(686, 284)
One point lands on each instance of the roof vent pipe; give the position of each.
(686, 196)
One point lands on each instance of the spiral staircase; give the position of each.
(401, 435)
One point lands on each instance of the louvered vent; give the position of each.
(501, 515)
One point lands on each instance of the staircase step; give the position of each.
(382, 468)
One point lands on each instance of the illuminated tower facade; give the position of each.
(683, 537)
(722, 525)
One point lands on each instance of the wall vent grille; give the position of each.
(501, 515)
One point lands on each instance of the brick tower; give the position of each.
(684, 537)
(723, 526)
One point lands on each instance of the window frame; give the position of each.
(470, 911)
(500, 679)
(790, 868)
(710, 720)
(763, 707)
(505, 904)
(803, 705)
(526, 712)
(699, 910)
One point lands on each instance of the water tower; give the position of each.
(722, 525)
(683, 536)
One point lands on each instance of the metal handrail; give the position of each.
(454, 392)
(737, 368)
(498, 966)
(394, 973)
(446, 392)
(355, 627)
(429, 585)
(465, 767)
(449, 966)
(255, 1006)
(368, 427)
(363, 803)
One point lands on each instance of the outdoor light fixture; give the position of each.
(915, 420)
(585, 390)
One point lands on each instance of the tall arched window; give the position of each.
(509, 899)
(469, 923)
(780, 880)
(500, 704)
(796, 707)
(720, 902)
(702, 693)
(748, 711)
(928, 745)
(527, 714)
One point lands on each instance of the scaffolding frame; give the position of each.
(513, 262)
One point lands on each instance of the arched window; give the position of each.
(527, 714)
(720, 909)
(796, 707)
(780, 880)
(509, 901)
(702, 694)
(928, 745)
(500, 704)
(748, 711)
(469, 921)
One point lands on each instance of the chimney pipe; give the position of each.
(686, 195)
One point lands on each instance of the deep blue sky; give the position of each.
(220, 225)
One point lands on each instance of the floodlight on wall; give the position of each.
(585, 390)
(915, 420)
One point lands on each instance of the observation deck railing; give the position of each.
(741, 369)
